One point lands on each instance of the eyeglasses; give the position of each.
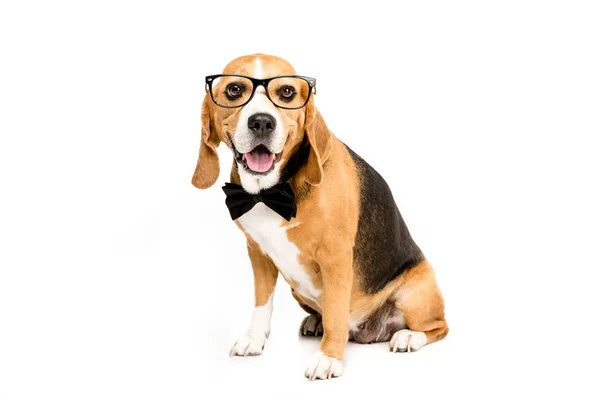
(231, 91)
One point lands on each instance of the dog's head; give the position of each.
(264, 112)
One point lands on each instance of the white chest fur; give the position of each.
(264, 226)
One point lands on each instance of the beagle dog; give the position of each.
(315, 212)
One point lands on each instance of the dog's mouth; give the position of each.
(260, 160)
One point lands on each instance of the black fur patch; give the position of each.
(383, 248)
(297, 161)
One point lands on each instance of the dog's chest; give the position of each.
(265, 227)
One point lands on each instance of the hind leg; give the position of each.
(420, 301)
(311, 325)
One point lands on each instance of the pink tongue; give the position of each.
(259, 161)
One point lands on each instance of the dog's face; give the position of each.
(262, 126)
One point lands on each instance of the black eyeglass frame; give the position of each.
(312, 85)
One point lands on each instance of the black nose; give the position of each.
(261, 123)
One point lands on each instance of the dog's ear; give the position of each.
(321, 143)
(207, 167)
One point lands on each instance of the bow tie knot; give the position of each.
(279, 198)
(257, 198)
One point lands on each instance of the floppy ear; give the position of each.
(207, 167)
(321, 143)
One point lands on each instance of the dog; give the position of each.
(315, 212)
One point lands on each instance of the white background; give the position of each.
(120, 280)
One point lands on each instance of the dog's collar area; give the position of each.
(279, 198)
(257, 197)
(296, 161)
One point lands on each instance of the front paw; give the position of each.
(322, 367)
(248, 345)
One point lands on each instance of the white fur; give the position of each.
(260, 103)
(261, 319)
(407, 340)
(265, 228)
(255, 183)
(245, 140)
(258, 71)
(322, 367)
(248, 346)
(253, 341)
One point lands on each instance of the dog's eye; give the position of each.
(234, 90)
(287, 93)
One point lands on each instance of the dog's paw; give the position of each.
(312, 326)
(407, 341)
(248, 346)
(322, 367)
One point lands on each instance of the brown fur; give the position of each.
(327, 215)
(265, 273)
(415, 294)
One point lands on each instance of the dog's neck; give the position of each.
(296, 162)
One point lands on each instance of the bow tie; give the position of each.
(279, 198)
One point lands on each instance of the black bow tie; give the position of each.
(279, 198)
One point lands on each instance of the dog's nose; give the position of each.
(261, 123)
